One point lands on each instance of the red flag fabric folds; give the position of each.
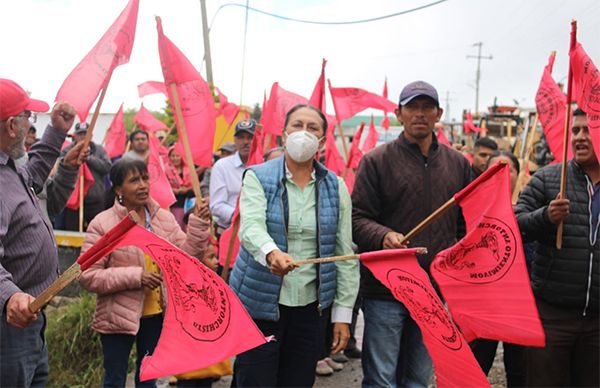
(399, 270)
(385, 123)
(195, 98)
(116, 138)
(469, 126)
(82, 86)
(146, 120)
(333, 159)
(349, 101)
(586, 91)
(160, 188)
(483, 277)
(317, 98)
(551, 106)
(88, 182)
(355, 152)
(204, 323)
(372, 137)
(151, 87)
(279, 103)
(229, 110)
(442, 139)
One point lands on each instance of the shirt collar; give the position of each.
(288, 173)
(237, 160)
(3, 158)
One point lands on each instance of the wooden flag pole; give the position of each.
(186, 145)
(81, 198)
(234, 231)
(432, 217)
(563, 174)
(320, 260)
(339, 126)
(525, 161)
(164, 141)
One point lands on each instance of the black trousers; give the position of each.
(571, 357)
(484, 351)
(291, 359)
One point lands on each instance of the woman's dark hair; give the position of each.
(300, 106)
(120, 170)
(579, 112)
(132, 134)
(513, 159)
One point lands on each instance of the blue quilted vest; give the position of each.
(255, 285)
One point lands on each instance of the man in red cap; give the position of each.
(28, 252)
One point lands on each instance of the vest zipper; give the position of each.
(589, 284)
(319, 307)
(593, 234)
(285, 228)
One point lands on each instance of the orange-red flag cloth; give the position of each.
(551, 106)
(229, 110)
(356, 153)
(372, 137)
(442, 139)
(349, 101)
(195, 98)
(333, 159)
(483, 277)
(117, 136)
(385, 123)
(204, 318)
(317, 98)
(160, 188)
(586, 91)
(83, 85)
(151, 87)
(88, 182)
(469, 126)
(399, 270)
(146, 120)
(279, 103)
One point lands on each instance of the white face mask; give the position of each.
(301, 146)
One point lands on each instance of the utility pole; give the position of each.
(207, 58)
(479, 57)
(447, 109)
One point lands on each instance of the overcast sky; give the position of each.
(42, 41)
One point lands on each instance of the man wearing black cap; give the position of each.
(99, 165)
(397, 186)
(226, 176)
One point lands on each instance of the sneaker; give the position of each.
(336, 366)
(323, 368)
(353, 353)
(339, 357)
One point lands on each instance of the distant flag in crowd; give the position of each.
(229, 110)
(551, 107)
(469, 126)
(333, 159)
(347, 102)
(372, 137)
(279, 103)
(356, 153)
(88, 182)
(385, 123)
(84, 83)
(151, 87)
(195, 98)
(441, 136)
(453, 361)
(317, 98)
(160, 188)
(116, 137)
(483, 277)
(586, 91)
(146, 121)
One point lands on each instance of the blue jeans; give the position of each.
(116, 349)
(393, 350)
(23, 354)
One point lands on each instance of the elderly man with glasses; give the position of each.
(28, 252)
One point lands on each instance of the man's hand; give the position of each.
(76, 155)
(393, 240)
(341, 335)
(62, 116)
(151, 280)
(558, 210)
(17, 310)
(280, 263)
(201, 209)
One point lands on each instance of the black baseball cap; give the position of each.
(247, 126)
(417, 89)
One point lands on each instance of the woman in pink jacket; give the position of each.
(131, 298)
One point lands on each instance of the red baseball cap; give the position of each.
(14, 100)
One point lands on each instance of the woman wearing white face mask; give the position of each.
(293, 208)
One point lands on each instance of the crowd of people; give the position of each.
(291, 208)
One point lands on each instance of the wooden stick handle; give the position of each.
(319, 260)
(432, 217)
(59, 284)
(523, 170)
(90, 130)
(234, 231)
(81, 199)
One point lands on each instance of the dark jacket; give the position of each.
(396, 188)
(99, 164)
(568, 277)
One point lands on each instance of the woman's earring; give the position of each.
(120, 199)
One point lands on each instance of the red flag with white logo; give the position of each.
(349, 101)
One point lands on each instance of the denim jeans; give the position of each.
(393, 350)
(23, 354)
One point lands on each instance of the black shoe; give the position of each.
(353, 353)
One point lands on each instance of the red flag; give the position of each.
(333, 159)
(385, 123)
(483, 277)
(229, 110)
(204, 318)
(586, 91)
(195, 98)
(442, 139)
(151, 87)
(469, 126)
(83, 85)
(355, 152)
(399, 270)
(372, 137)
(551, 106)
(279, 103)
(116, 138)
(349, 101)
(317, 98)
(146, 120)
(88, 182)
(160, 189)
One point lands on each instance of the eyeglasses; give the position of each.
(32, 117)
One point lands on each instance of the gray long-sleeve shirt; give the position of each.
(28, 252)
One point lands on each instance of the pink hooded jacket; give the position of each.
(117, 278)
